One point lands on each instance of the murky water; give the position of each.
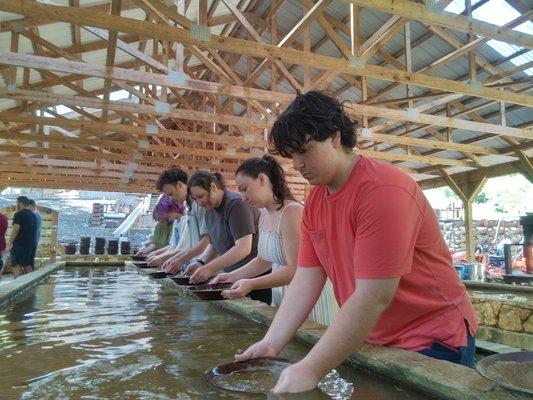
(110, 333)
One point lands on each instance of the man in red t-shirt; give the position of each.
(3, 229)
(368, 227)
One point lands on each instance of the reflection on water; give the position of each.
(109, 333)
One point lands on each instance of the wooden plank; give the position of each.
(131, 130)
(112, 39)
(411, 10)
(400, 115)
(129, 75)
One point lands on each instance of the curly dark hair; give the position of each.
(269, 166)
(171, 176)
(311, 116)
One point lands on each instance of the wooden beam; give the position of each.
(126, 107)
(414, 116)
(120, 74)
(467, 191)
(112, 39)
(255, 49)
(411, 10)
(131, 130)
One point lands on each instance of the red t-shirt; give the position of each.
(380, 225)
(3, 229)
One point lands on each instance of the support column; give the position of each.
(525, 167)
(466, 190)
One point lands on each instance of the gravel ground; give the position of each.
(74, 218)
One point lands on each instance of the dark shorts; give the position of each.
(22, 255)
(1, 262)
(465, 355)
(34, 252)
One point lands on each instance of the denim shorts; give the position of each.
(464, 355)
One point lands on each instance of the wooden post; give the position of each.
(467, 190)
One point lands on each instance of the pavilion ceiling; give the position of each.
(104, 95)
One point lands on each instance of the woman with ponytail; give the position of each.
(263, 185)
(232, 230)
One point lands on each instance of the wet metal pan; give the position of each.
(141, 264)
(510, 370)
(257, 376)
(180, 279)
(158, 274)
(210, 292)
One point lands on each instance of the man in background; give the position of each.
(38, 226)
(22, 239)
(3, 229)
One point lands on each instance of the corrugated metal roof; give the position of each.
(290, 13)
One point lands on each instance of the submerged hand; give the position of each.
(261, 349)
(296, 378)
(239, 289)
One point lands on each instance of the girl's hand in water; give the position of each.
(239, 289)
(296, 378)
(261, 349)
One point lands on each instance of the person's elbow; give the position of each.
(376, 293)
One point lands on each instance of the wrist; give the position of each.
(251, 283)
(314, 368)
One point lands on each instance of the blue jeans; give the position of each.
(464, 355)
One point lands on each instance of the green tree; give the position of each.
(481, 198)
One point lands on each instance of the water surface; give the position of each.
(109, 333)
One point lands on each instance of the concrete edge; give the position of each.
(498, 286)
(522, 340)
(13, 290)
(438, 379)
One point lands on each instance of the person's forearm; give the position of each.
(208, 254)
(190, 253)
(298, 301)
(349, 329)
(254, 268)
(281, 277)
(229, 258)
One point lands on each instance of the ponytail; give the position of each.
(269, 166)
